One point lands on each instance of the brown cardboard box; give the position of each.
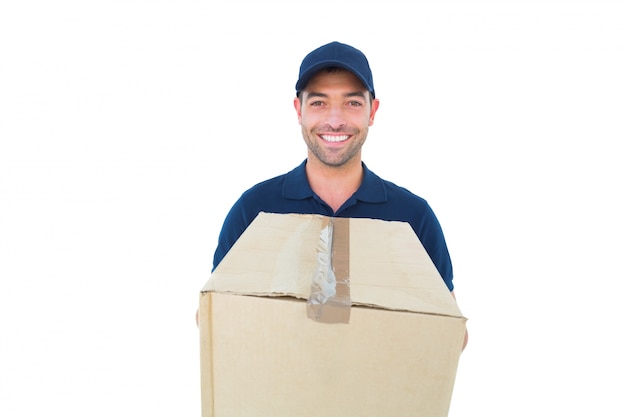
(383, 340)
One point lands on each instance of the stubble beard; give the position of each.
(339, 158)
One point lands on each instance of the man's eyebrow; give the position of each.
(314, 94)
(355, 94)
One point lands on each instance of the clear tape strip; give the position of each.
(330, 300)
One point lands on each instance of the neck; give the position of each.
(334, 185)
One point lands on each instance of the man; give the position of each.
(336, 104)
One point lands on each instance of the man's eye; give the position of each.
(355, 103)
(316, 103)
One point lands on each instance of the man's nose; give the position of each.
(336, 119)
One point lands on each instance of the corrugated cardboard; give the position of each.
(394, 354)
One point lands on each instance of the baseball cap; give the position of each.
(335, 54)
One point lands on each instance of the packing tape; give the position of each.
(329, 301)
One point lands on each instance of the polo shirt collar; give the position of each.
(297, 186)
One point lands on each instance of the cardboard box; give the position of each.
(383, 340)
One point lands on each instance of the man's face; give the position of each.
(335, 114)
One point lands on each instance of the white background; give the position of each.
(128, 128)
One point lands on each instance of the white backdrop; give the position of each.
(128, 128)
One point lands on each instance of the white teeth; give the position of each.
(329, 138)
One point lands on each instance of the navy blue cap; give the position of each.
(335, 54)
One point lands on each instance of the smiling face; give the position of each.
(335, 111)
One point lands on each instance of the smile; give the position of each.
(335, 138)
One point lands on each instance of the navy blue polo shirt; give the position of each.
(375, 199)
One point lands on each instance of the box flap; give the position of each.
(388, 266)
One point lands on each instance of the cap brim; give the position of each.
(310, 72)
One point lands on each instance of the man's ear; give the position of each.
(297, 104)
(375, 104)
